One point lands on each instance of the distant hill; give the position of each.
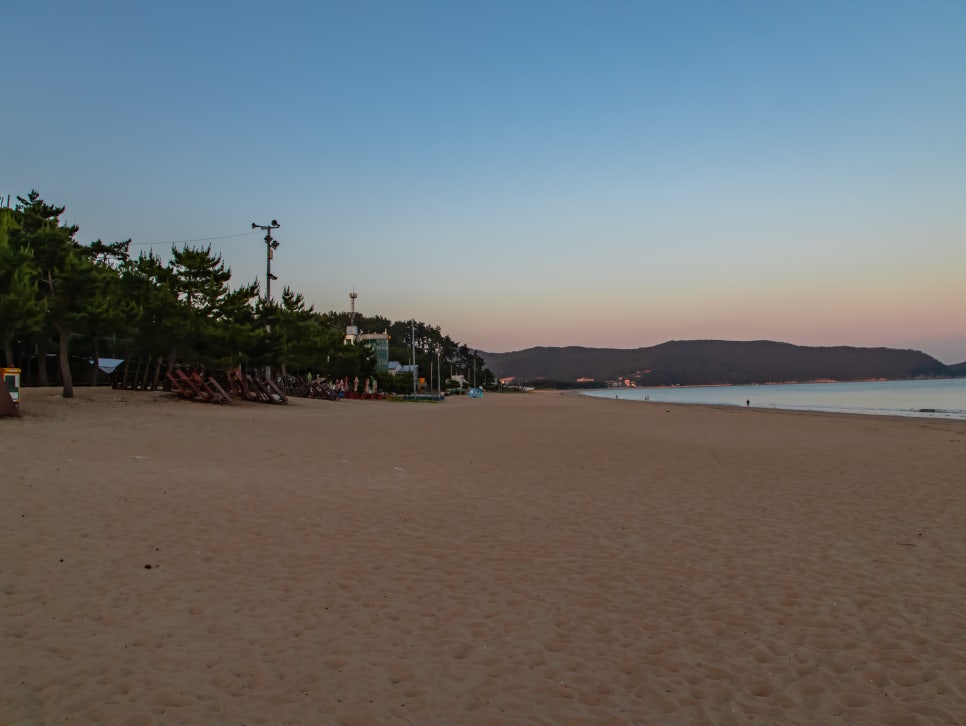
(958, 369)
(697, 362)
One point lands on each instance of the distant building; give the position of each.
(379, 343)
(352, 330)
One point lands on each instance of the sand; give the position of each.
(522, 558)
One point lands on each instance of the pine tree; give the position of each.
(21, 310)
(65, 274)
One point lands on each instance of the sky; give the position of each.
(603, 173)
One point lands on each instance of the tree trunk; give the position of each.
(157, 375)
(136, 384)
(147, 374)
(172, 357)
(97, 361)
(127, 368)
(42, 378)
(23, 360)
(65, 362)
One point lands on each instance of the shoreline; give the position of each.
(895, 417)
(853, 399)
(518, 558)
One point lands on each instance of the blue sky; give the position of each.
(611, 174)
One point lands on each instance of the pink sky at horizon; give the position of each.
(947, 351)
(928, 328)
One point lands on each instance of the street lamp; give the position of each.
(270, 246)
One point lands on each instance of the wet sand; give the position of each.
(521, 558)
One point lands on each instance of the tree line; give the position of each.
(59, 296)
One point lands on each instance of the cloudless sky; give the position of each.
(607, 173)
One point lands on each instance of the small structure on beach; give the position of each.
(8, 406)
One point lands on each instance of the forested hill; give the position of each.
(696, 362)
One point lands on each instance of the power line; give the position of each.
(199, 239)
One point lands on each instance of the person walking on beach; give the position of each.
(748, 402)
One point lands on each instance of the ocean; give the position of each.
(943, 398)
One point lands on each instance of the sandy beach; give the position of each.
(534, 558)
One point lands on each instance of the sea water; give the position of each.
(939, 398)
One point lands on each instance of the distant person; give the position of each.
(747, 402)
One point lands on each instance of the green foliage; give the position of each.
(64, 274)
(185, 309)
(149, 285)
(347, 361)
(301, 337)
(21, 310)
(433, 349)
(108, 310)
(200, 282)
(239, 338)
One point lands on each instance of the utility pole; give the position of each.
(270, 246)
(413, 322)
